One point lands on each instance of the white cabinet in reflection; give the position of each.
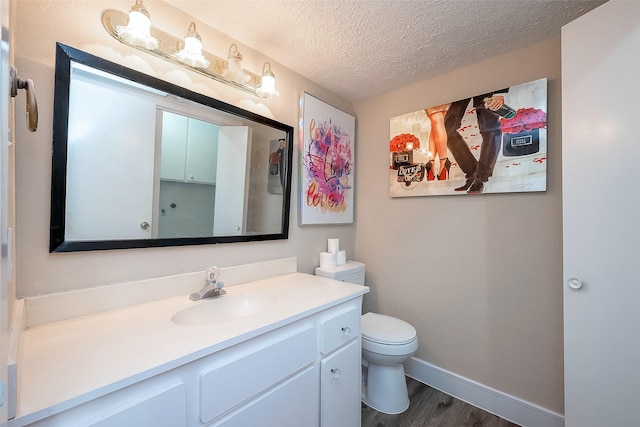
(189, 149)
(202, 163)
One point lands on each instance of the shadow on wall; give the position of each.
(370, 300)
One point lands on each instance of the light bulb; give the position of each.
(191, 54)
(138, 30)
(268, 85)
(234, 72)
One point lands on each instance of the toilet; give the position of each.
(387, 342)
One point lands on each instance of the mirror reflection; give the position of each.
(140, 162)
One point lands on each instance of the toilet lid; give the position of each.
(386, 329)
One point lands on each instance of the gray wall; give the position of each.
(78, 23)
(480, 277)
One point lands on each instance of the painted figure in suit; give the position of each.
(477, 172)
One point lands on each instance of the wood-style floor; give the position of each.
(429, 408)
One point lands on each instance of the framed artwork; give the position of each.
(327, 164)
(276, 172)
(494, 142)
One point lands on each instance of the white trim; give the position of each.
(505, 406)
(15, 332)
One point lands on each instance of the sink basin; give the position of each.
(222, 309)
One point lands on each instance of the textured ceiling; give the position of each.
(362, 48)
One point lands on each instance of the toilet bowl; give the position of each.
(387, 342)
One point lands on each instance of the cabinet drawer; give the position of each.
(339, 328)
(294, 403)
(249, 370)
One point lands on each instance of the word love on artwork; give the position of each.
(317, 198)
(408, 174)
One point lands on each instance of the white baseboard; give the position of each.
(505, 406)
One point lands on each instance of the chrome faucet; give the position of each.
(212, 288)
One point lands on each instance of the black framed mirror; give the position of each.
(140, 162)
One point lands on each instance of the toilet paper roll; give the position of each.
(328, 259)
(341, 258)
(333, 245)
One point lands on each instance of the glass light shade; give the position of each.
(193, 45)
(191, 54)
(268, 85)
(138, 29)
(234, 72)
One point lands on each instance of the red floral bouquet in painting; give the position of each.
(404, 142)
(526, 119)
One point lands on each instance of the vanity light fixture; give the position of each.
(268, 85)
(235, 72)
(138, 29)
(135, 30)
(191, 54)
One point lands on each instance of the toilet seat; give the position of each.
(386, 330)
(390, 349)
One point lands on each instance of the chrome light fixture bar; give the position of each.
(183, 53)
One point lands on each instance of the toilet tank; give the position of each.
(352, 272)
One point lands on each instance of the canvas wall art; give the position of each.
(277, 172)
(327, 164)
(494, 142)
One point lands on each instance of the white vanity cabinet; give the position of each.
(159, 401)
(275, 373)
(303, 373)
(320, 361)
(340, 367)
(341, 380)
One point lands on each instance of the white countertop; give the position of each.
(67, 363)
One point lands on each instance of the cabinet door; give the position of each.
(174, 146)
(341, 384)
(600, 91)
(189, 149)
(165, 407)
(202, 152)
(148, 404)
(234, 155)
(110, 169)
